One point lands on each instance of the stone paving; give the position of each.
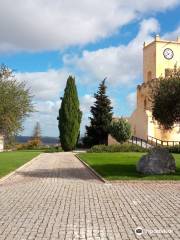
(56, 197)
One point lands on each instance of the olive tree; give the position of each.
(15, 103)
(165, 97)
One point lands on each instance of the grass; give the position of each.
(9, 161)
(122, 166)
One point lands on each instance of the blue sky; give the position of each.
(45, 41)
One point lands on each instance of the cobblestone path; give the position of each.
(56, 197)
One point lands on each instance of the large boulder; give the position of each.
(157, 161)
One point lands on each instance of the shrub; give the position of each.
(125, 147)
(9, 146)
(34, 143)
(120, 130)
(43, 148)
(21, 146)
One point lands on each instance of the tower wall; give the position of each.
(161, 62)
(149, 62)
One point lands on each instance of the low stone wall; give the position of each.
(111, 140)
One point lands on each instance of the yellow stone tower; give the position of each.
(159, 57)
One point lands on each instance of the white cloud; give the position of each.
(48, 123)
(122, 64)
(47, 112)
(45, 85)
(36, 25)
(86, 102)
(47, 107)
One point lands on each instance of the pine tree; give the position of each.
(37, 132)
(97, 132)
(36, 137)
(69, 116)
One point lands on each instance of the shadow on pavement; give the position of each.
(65, 173)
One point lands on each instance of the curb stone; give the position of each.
(91, 169)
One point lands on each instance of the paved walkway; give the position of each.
(56, 197)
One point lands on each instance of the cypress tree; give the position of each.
(69, 116)
(97, 132)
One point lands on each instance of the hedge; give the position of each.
(125, 147)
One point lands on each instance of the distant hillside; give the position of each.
(45, 140)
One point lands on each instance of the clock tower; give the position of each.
(158, 56)
(159, 60)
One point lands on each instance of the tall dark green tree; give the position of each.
(97, 132)
(69, 116)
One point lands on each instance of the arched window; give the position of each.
(149, 75)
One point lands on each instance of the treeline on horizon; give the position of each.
(44, 140)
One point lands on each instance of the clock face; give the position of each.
(168, 53)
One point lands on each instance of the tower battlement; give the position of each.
(157, 38)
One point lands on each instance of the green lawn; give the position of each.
(9, 161)
(122, 166)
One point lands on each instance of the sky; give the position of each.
(45, 41)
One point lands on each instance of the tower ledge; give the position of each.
(158, 39)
